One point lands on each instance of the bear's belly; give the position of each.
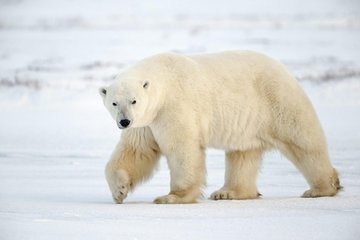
(241, 130)
(235, 141)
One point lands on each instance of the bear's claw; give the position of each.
(222, 195)
(119, 193)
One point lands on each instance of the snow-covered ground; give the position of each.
(56, 137)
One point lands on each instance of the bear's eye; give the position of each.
(133, 102)
(114, 104)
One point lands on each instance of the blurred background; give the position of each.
(79, 43)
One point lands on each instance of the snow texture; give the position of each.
(56, 137)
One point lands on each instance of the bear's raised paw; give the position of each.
(119, 193)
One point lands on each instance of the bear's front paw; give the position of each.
(316, 192)
(119, 193)
(168, 199)
(119, 184)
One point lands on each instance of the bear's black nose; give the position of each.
(124, 122)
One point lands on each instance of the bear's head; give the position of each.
(127, 100)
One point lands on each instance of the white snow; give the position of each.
(56, 137)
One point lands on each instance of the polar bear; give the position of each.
(240, 101)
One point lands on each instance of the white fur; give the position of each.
(242, 102)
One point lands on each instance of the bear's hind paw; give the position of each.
(223, 195)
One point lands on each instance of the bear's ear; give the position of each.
(102, 92)
(146, 85)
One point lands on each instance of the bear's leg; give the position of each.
(187, 172)
(240, 176)
(133, 161)
(316, 168)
